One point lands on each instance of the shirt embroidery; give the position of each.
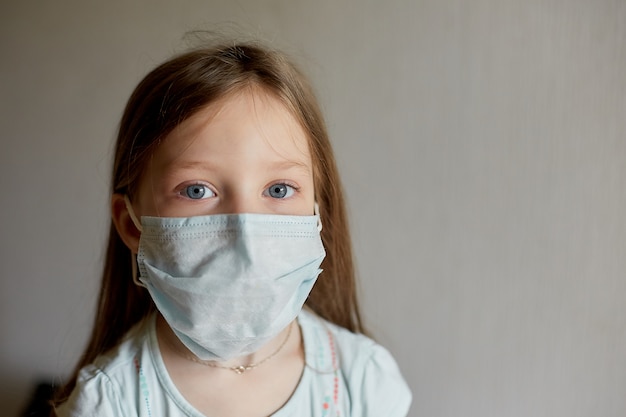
(335, 393)
(143, 385)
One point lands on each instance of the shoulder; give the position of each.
(370, 373)
(105, 387)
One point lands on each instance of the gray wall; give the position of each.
(482, 146)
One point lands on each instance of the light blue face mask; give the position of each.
(229, 283)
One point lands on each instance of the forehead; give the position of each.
(249, 122)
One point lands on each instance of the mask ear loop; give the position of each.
(131, 213)
(133, 257)
(133, 266)
(316, 211)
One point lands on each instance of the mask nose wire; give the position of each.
(137, 223)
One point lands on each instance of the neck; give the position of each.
(287, 342)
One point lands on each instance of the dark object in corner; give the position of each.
(39, 403)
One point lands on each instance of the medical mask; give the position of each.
(229, 283)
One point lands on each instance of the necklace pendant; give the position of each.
(239, 369)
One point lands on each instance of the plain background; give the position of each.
(482, 146)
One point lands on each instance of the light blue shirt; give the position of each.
(346, 374)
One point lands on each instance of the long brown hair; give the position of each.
(166, 97)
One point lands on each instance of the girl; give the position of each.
(226, 206)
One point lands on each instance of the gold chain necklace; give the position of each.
(239, 369)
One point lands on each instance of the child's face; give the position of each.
(243, 154)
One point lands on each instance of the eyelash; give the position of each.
(183, 190)
(287, 183)
(185, 187)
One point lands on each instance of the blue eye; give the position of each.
(280, 191)
(198, 192)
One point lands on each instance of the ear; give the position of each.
(124, 223)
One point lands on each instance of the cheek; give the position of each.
(311, 197)
(317, 186)
(146, 201)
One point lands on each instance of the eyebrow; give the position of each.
(281, 165)
(290, 164)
